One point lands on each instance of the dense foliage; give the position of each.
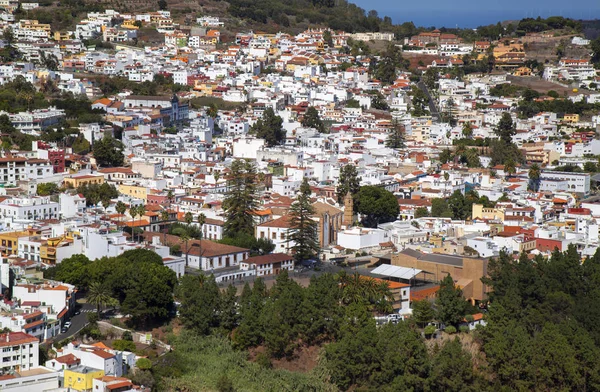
(543, 332)
(349, 181)
(241, 199)
(376, 205)
(108, 152)
(137, 279)
(269, 127)
(303, 229)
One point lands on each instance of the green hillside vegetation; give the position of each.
(209, 363)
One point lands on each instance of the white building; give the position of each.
(271, 264)
(362, 238)
(20, 351)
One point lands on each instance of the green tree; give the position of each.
(395, 137)
(534, 177)
(446, 156)
(450, 304)
(124, 345)
(467, 130)
(505, 129)
(376, 205)
(452, 369)
(269, 127)
(47, 189)
(241, 200)
(200, 303)
(421, 212)
(108, 152)
(73, 270)
(228, 311)
(98, 295)
(303, 229)
(349, 181)
(457, 204)
(423, 312)
(311, 119)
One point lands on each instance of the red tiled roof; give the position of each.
(268, 259)
(14, 338)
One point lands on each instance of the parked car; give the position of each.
(67, 325)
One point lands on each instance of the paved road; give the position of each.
(435, 114)
(77, 321)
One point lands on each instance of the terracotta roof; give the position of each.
(68, 359)
(14, 338)
(268, 259)
(282, 223)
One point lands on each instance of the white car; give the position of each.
(67, 325)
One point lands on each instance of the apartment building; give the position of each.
(19, 352)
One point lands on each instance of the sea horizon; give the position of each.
(475, 17)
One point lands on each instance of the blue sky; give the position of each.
(472, 13)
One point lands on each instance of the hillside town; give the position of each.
(242, 157)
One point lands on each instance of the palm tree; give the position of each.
(189, 218)
(133, 212)
(534, 177)
(121, 208)
(141, 211)
(170, 197)
(98, 295)
(164, 216)
(185, 237)
(201, 220)
(509, 168)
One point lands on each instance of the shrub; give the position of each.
(429, 330)
(127, 336)
(124, 345)
(224, 384)
(92, 317)
(263, 360)
(143, 364)
(450, 329)
(463, 328)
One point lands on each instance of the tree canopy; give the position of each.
(269, 127)
(376, 205)
(108, 152)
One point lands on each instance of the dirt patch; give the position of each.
(304, 360)
(542, 86)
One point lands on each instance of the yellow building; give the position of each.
(9, 242)
(81, 378)
(139, 192)
(62, 35)
(129, 24)
(522, 71)
(48, 250)
(86, 179)
(479, 212)
(571, 118)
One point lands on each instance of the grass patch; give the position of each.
(199, 102)
(199, 363)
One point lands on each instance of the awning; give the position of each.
(396, 272)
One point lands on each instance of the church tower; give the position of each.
(348, 210)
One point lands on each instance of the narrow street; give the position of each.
(435, 114)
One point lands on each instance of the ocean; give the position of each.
(473, 18)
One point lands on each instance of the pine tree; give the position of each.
(395, 137)
(348, 182)
(311, 119)
(241, 199)
(269, 127)
(303, 233)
